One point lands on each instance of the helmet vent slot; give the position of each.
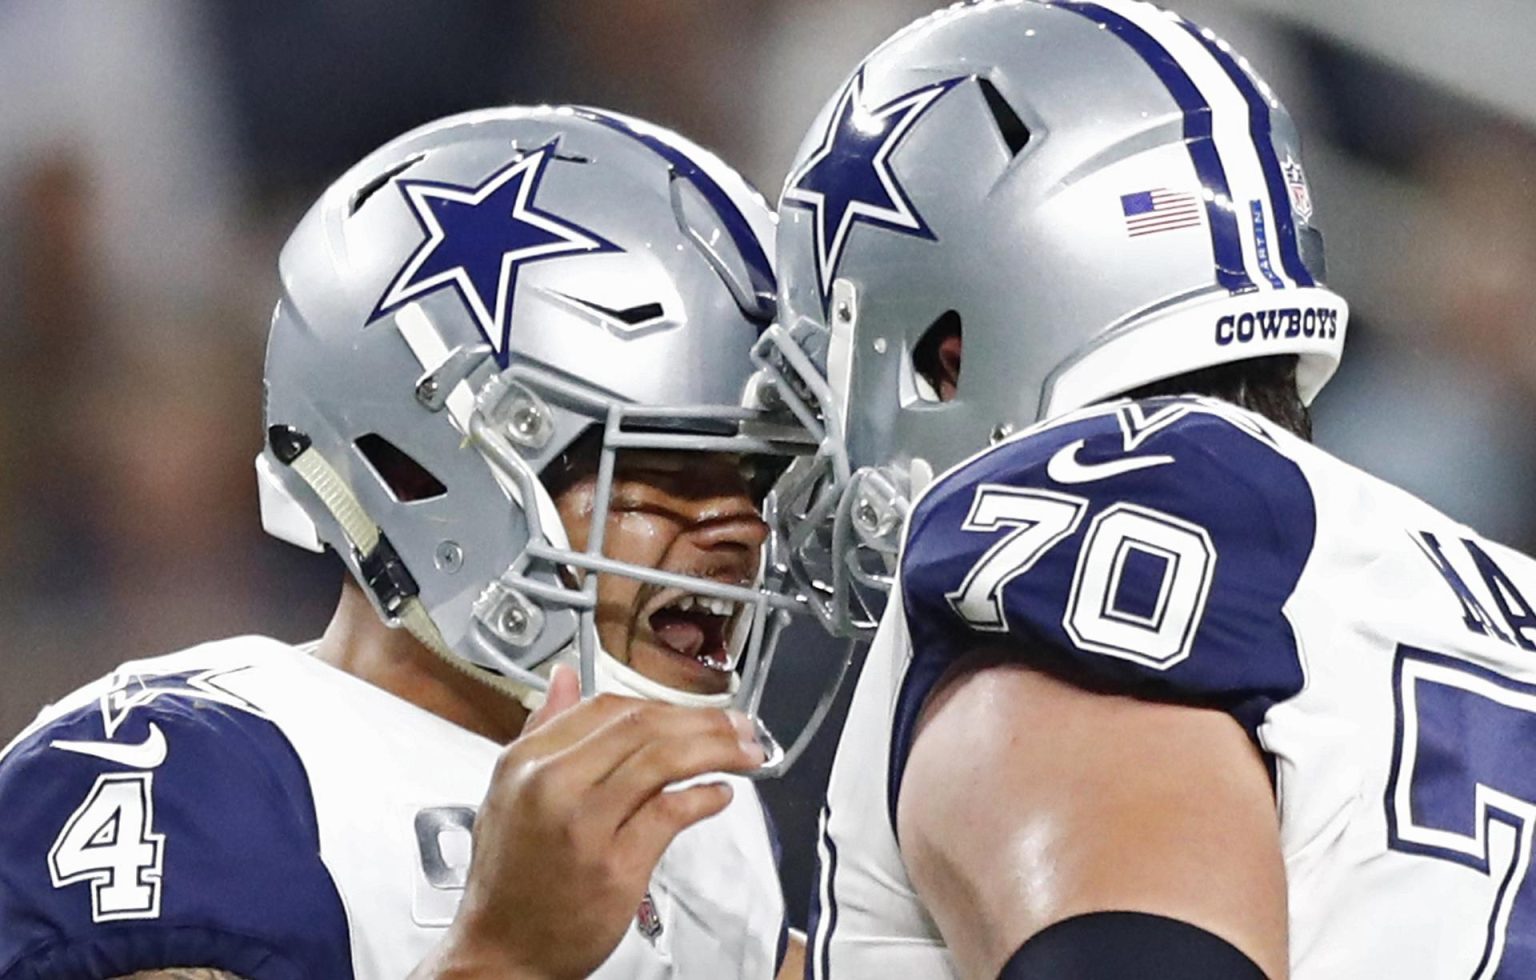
(632, 315)
(1015, 134)
(519, 153)
(408, 481)
(629, 316)
(372, 187)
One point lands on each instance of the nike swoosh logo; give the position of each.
(144, 755)
(1065, 468)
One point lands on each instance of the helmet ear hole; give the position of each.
(408, 481)
(936, 356)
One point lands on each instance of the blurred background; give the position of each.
(155, 153)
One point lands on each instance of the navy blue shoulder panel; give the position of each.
(207, 855)
(1145, 550)
(776, 846)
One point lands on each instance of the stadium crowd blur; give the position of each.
(154, 155)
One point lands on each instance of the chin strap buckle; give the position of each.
(387, 577)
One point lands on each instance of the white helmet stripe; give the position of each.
(1262, 104)
(1230, 131)
(1226, 237)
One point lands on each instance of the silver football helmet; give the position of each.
(1094, 195)
(456, 311)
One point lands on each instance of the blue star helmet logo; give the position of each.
(848, 180)
(479, 237)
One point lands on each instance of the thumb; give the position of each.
(564, 692)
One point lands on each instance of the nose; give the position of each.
(725, 531)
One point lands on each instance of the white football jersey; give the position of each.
(1380, 655)
(245, 806)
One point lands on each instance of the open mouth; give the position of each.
(697, 627)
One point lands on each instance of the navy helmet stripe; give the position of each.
(736, 225)
(1261, 127)
(1226, 241)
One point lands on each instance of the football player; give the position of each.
(1161, 690)
(491, 389)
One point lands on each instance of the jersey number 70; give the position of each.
(1158, 634)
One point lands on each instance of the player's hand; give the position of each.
(563, 694)
(577, 816)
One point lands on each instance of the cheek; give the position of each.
(575, 509)
(638, 538)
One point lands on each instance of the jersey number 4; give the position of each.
(108, 841)
(1156, 634)
(1463, 789)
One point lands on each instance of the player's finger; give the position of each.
(661, 762)
(647, 833)
(568, 727)
(556, 768)
(640, 724)
(563, 694)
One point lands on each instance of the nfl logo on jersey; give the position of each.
(647, 921)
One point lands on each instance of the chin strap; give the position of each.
(383, 573)
(620, 678)
(615, 677)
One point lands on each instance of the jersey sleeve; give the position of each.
(187, 838)
(1147, 551)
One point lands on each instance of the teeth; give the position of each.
(716, 607)
(720, 663)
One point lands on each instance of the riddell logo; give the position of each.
(1288, 323)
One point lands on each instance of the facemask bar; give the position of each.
(779, 759)
(511, 408)
(815, 508)
(763, 599)
(729, 429)
(871, 515)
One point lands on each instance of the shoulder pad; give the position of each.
(1146, 547)
(164, 823)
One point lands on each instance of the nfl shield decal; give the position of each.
(647, 920)
(1296, 182)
